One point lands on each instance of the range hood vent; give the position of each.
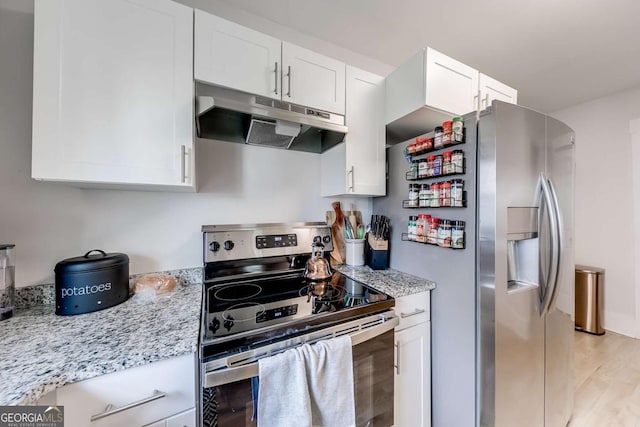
(234, 116)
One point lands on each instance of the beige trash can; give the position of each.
(588, 303)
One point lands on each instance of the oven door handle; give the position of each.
(239, 373)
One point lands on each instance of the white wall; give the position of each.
(49, 221)
(604, 199)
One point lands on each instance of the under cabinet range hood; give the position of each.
(229, 115)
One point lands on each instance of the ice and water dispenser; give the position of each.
(523, 248)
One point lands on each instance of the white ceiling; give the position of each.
(556, 53)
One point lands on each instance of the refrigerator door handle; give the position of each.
(553, 256)
(559, 242)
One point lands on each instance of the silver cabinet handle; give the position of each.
(559, 241)
(352, 181)
(111, 410)
(486, 100)
(289, 80)
(414, 313)
(397, 365)
(183, 164)
(275, 72)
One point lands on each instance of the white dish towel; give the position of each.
(311, 385)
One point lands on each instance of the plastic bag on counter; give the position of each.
(151, 287)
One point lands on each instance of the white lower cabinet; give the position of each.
(158, 394)
(412, 384)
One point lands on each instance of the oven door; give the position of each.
(229, 388)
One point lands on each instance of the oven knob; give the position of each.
(326, 239)
(214, 246)
(228, 245)
(317, 239)
(228, 323)
(214, 325)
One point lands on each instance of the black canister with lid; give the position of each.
(91, 282)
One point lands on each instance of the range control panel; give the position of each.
(276, 241)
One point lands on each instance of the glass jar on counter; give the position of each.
(444, 233)
(457, 235)
(424, 197)
(435, 195)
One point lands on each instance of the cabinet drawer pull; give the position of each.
(417, 311)
(289, 79)
(183, 164)
(397, 365)
(352, 182)
(111, 410)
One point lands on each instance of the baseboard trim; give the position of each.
(620, 324)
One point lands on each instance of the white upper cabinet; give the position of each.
(357, 166)
(450, 86)
(313, 80)
(236, 57)
(425, 91)
(233, 56)
(491, 89)
(113, 93)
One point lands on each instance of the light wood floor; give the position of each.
(607, 381)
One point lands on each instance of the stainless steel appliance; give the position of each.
(7, 281)
(257, 302)
(502, 343)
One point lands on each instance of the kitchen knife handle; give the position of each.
(289, 80)
(275, 72)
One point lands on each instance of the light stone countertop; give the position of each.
(392, 282)
(40, 351)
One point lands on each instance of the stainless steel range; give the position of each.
(258, 303)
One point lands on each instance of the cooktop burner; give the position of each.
(236, 307)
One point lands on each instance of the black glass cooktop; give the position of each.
(241, 306)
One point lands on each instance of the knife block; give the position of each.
(377, 253)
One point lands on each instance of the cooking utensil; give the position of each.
(337, 233)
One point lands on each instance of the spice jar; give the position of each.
(430, 161)
(432, 233)
(411, 148)
(435, 195)
(413, 195)
(444, 233)
(446, 132)
(414, 168)
(428, 143)
(445, 194)
(457, 130)
(437, 165)
(420, 228)
(457, 235)
(412, 227)
(447, 165)
(437, 139)
(457, 161)
(424, 196)
(422, 168)
(457, 193)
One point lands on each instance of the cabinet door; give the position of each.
(133, 390)
(412, 397)
(491, 89)
(185, 419)
(451, 86)
(113, 92)
(230, 55)
(312, 80)
(357, 166)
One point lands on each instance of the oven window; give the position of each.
(233, 404)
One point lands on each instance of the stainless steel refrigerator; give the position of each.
(502, 328)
